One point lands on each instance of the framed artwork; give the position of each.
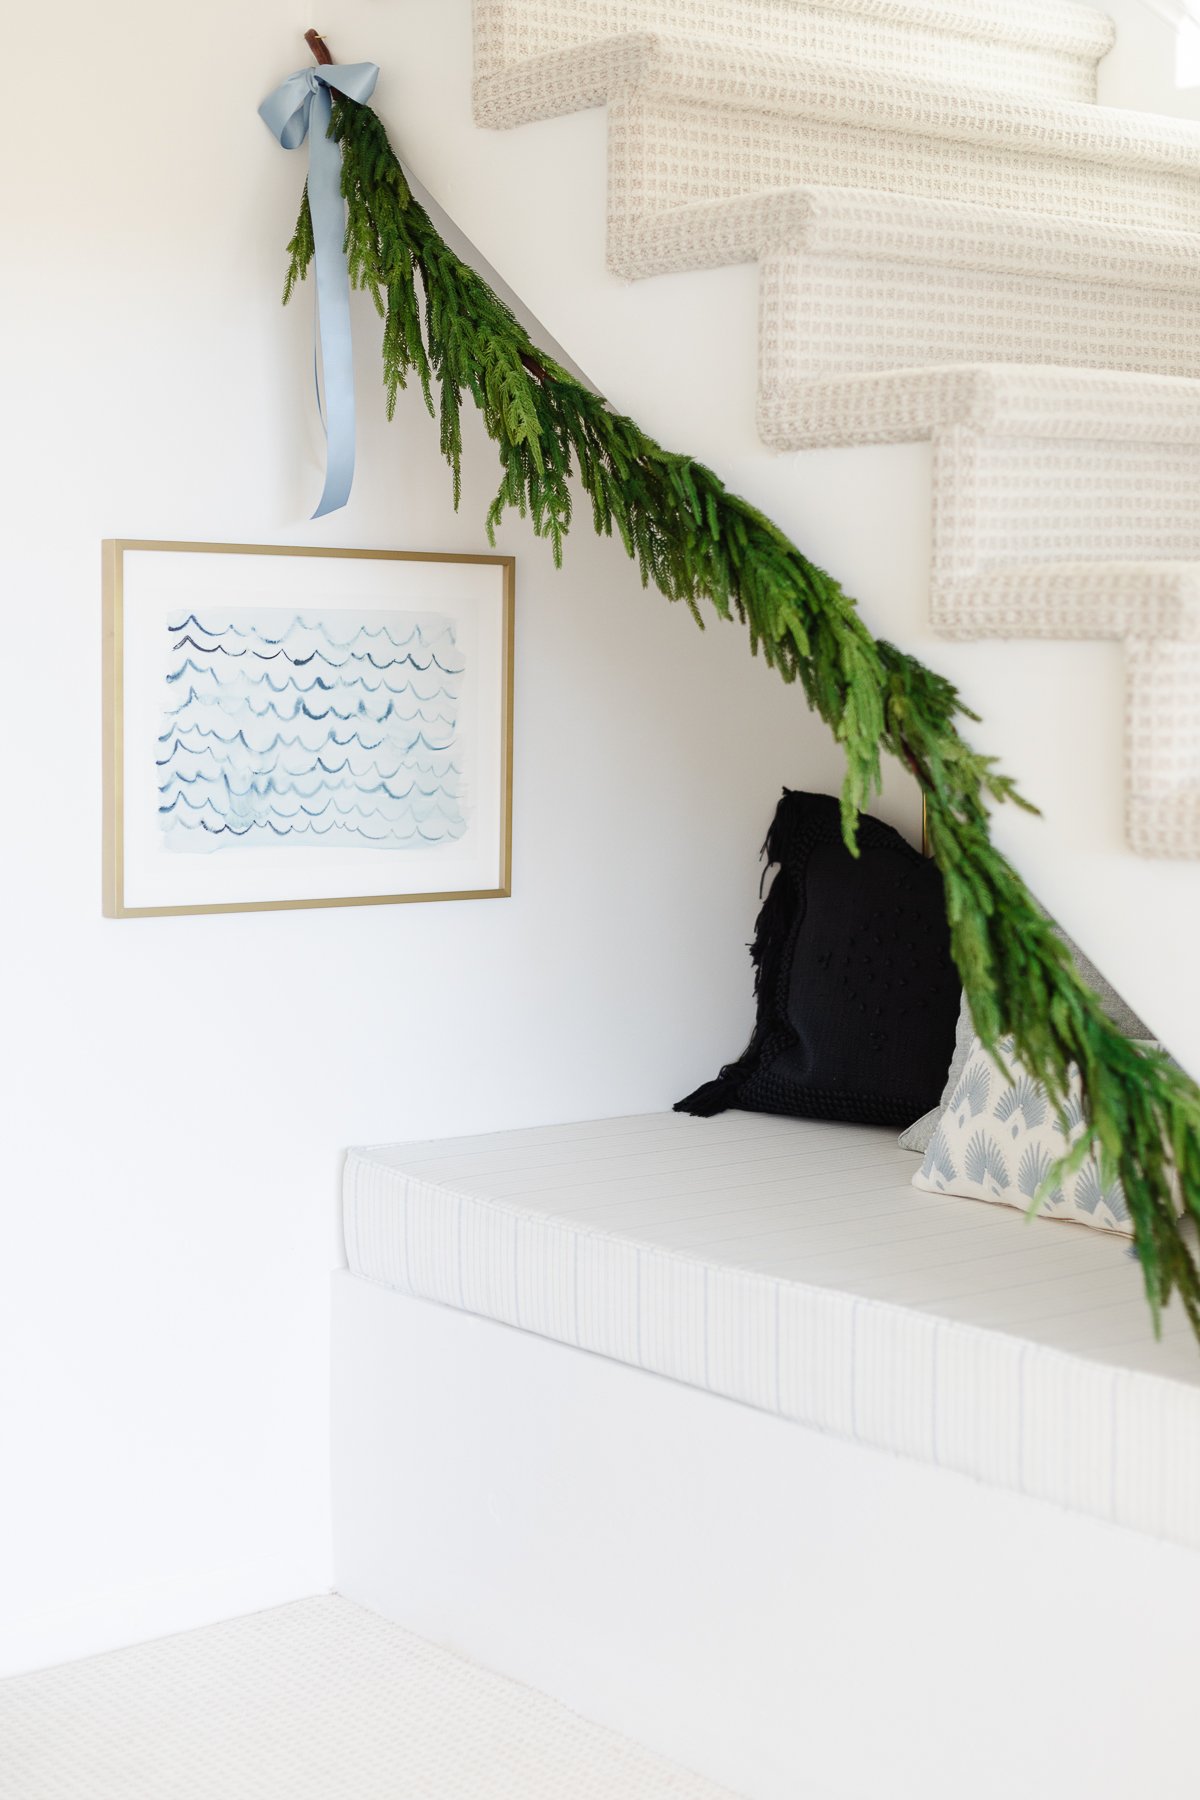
(290, 727)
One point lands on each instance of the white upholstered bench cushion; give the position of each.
(792, 1265)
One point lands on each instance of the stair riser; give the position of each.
(666, 152)
(822, 316)
(1000, 502)
(1035, 538)
(508, 32)
(1163, 748)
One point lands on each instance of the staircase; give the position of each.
(955, 244)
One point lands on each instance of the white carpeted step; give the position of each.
(1154, 608)
(815, 220)
(1065, 507)
(1071, 599)
(1008, 498)
(854, 282)
(692, 119)
(899, 406)
(953, 245)
(1039, 49)
(1064, 502)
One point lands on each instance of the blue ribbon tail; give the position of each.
(301, 107)
(333, 305)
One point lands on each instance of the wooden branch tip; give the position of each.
(318, 46)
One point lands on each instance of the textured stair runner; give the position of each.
(955, 243)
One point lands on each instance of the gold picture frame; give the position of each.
(135, 885)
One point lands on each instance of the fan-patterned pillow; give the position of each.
(999, 1138)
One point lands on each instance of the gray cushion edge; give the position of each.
(919, 1134)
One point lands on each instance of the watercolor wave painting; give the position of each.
(338, 729)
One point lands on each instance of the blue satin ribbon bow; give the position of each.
(301, 108)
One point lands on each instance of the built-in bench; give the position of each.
(500, 1490)
(792, 1265)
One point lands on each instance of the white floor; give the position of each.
(320, 1700)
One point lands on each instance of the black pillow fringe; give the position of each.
(834, 1063)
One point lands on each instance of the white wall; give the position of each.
(1150, 64)
(178, 1090)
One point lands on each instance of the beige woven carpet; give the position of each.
(320, 1700)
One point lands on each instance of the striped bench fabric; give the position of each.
(792, 1266)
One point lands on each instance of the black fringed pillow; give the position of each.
(857, 992)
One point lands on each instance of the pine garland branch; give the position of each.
(699, 544)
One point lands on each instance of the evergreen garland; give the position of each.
(698, 543)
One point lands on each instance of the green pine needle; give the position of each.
(698, 543)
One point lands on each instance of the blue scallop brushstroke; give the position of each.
(287, 729)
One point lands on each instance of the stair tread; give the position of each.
(1029, 598)
(1146, 582)
(772, 81)
(1035, 400)
(869, 222)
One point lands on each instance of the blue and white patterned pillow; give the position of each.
(918, 1135)
(998, 1139)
